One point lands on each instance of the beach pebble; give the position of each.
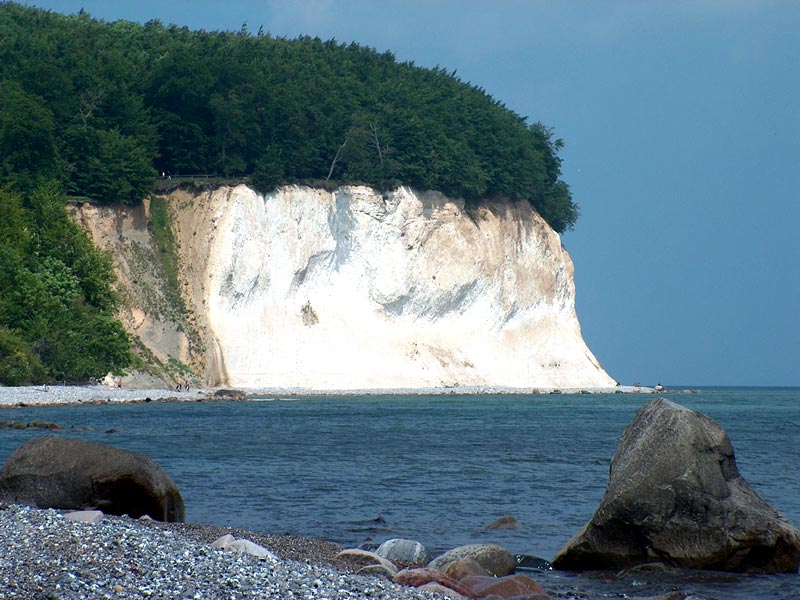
(438, 588)
(228, 542)
(385, 571)
(85, 516)
(358, 558)
(407, 552)
(223, 542)
(251, 548)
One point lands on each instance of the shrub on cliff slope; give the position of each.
(56, 300)
(118, 102)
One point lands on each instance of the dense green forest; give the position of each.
(98, 110)
(105, 106)
(56, 302)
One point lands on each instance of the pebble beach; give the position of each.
(82, 394)
(46, 556)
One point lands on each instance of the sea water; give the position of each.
(439, 469)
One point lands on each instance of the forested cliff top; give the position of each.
(105, 107)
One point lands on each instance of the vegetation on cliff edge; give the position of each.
(105, 107)
(56, 300)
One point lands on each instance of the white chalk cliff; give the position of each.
(305, 288)
(354, 289)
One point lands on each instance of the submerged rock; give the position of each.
(55, 472)
(504, 523)
(43, 425)
(229, 395)
(676, 496)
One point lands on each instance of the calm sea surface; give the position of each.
(358, 470)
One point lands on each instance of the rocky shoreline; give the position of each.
(98, 394)
(88, 394)
(45, 555)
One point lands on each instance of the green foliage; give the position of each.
(105, 106)
(56, 300)
(268, 173)
(19, 365)
(166, 250)
(27, 142)
(107, 165)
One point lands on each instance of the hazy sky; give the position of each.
(682, 128)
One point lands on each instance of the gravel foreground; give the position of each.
(45, 556)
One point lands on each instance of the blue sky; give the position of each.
(682, 128)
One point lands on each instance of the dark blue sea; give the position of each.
(438, 469)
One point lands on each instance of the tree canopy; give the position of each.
(106, 106)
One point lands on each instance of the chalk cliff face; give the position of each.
(355, 289)
(352, 289)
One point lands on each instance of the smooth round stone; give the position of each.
(498, 561)
(464, 567)
(386, 571)
(85, 516)
(364, 558)
(404, 551)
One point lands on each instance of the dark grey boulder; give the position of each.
(675, 496)
(55, 472)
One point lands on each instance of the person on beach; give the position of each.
(178, 387)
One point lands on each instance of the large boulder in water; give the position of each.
(676, 496)
(55, 472)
